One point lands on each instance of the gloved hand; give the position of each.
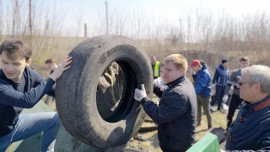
(225, 98)
(140, 94)
(191, 71)
(158, 82)
(213, 85)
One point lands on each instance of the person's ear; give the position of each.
(258, 87)
(28, 62)
(181, 72)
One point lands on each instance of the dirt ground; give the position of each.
(148, 142)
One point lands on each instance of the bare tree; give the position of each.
(16, 18)
(30, 18)
(1, 19)
(107, 21)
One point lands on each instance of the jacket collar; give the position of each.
(263, 103)
(180, 79)
(260, 104)
(203, 68)
(221, 67)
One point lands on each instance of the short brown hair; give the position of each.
(49, 61)
(179, 61)
(15, 49)
(245, 58)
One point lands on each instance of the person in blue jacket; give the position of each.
(251, 129)
(202, 83)
(220, 79)
(21, 87)
(177, 110)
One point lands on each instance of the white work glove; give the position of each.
(225, 98)
(213, 85)
(158, 82)
(191, 71)
(140, 94)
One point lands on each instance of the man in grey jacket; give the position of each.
(177, 110)
(234, 81)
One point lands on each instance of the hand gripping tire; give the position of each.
(77, 91)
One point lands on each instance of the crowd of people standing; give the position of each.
(248, 88)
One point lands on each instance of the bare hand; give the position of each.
(61, 68)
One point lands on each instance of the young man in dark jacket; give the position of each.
(251, 129)
(21, 87)
(177, 109)
(202, 82)
(220, 79)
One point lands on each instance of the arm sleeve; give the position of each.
(230, 82)
(11, 97)
(215, 76)
(157, 91)
(201, 83)
(172, 107)
(265, 138)
(38, 80)
(264, 142)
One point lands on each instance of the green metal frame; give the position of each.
(209, 143)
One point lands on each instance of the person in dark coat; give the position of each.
(176, 113)
(234, 82)
(220, 79)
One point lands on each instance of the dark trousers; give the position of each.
(220, 91)
(235, 102)
(166, 149)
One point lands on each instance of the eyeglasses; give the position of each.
(242, 83)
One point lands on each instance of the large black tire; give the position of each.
(77, 89)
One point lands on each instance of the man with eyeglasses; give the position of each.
(251, 129)
(234, 82)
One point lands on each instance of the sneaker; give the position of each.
(222, 111)
(210, 127)
(138, 137)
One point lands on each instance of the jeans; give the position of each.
(220, 91)
(31, 124)
(203, 102)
